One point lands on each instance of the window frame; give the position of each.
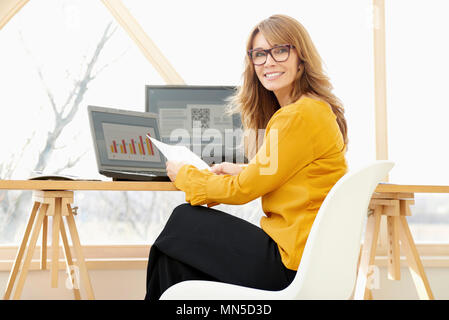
(130, 257)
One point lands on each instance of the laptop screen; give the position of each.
(120, 139)
(195, 116)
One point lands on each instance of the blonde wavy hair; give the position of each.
(256, 104)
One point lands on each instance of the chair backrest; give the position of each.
(329, 261)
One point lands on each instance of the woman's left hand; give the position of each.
(173, 168)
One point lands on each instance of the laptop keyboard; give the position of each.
(142, 173)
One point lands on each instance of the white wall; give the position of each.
(130, 284)
(405, 288)
(107, 285)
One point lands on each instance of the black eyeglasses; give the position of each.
(279, 53)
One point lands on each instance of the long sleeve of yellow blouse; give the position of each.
(301, 158)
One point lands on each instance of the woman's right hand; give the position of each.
(226, 168)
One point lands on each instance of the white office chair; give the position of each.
(328, 266)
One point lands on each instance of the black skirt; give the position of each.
(201, 243)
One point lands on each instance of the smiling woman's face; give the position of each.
(276, 76)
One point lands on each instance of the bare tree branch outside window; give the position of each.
(14, 207)
(138, 216)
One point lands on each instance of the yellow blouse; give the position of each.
(301, 158)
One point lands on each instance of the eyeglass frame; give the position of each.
(268, 52)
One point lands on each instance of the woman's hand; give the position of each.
(173, 168)
(226, 168)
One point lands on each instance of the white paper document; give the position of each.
(179, 153)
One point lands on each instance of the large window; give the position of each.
(417, 68)
(205, 41)
(58, 55)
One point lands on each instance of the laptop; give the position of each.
(195, 116)
(122, 149)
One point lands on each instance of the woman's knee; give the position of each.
(178, 221)
(180, 212)
(181, 207)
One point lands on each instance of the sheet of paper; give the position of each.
(179, 153)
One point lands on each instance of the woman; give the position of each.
(301, 157)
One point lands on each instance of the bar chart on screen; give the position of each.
(124, 142)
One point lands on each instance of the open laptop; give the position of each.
(122, 148)
(195, 116)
